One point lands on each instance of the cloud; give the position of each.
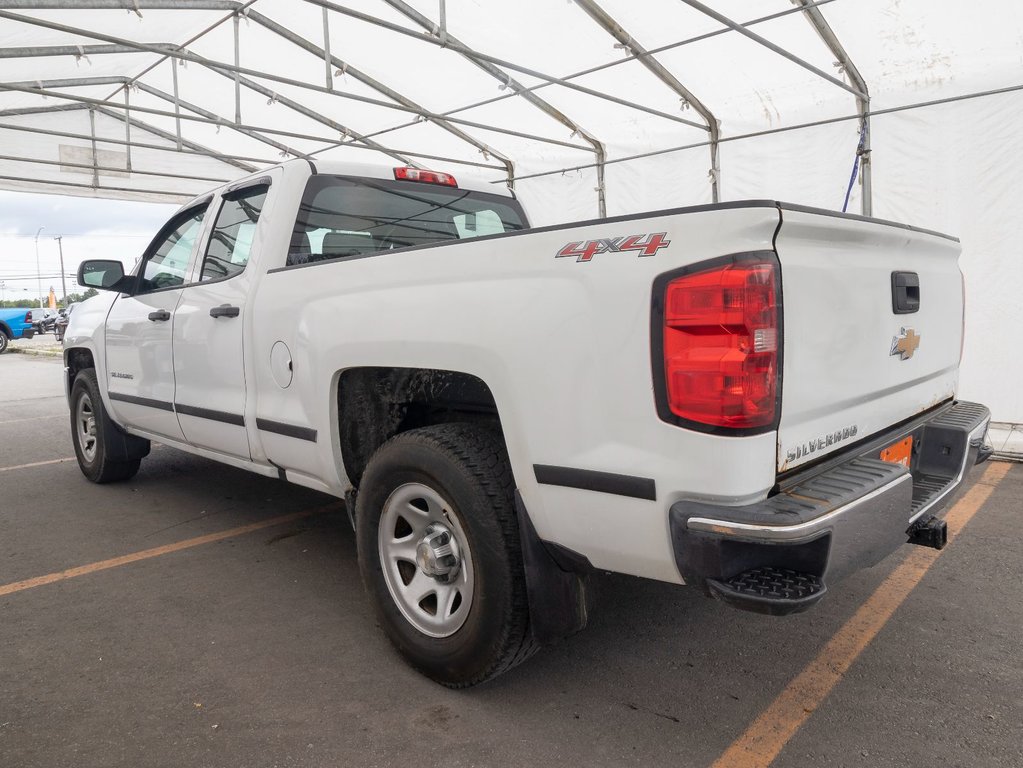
(23, 213)
(92, 229)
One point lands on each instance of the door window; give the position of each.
(167, 263)
(231, 240)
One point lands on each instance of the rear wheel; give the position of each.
(4, 341)
(100, 445)
(440, 554)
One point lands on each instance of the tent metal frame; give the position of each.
(432, 32)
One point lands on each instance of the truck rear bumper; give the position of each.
(780, 555)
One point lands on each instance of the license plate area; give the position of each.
(900, 452)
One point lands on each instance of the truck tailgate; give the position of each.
(852, 366)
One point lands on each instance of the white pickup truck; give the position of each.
(752, 398)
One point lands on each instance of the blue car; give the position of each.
(15, 324)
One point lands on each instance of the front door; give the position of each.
(139, 334)
(209, 346)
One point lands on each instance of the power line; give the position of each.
(91, 234)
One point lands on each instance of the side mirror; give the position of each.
(106, 275)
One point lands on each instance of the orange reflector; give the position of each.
(899, 453)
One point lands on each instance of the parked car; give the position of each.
(15, 324)
(755, 399)
(45, 319)
(63, 318)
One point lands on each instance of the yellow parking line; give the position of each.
(772, 730)
(36, 464)
(114, 562)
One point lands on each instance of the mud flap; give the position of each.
(556, 584)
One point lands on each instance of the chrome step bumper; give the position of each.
(830, 521)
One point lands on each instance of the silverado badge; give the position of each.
(905, 344)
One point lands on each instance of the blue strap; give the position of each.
(856, 164)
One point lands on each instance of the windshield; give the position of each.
(342, 217)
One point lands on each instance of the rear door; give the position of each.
(209, 343)
(872, 329)
(139, 330)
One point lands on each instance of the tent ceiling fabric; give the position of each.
(161, 97)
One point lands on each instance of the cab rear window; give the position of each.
(342, 217)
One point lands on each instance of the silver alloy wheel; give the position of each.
(85, 424)
(426, 561)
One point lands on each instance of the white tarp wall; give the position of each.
(952, 167)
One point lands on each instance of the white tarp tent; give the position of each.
(589, 107)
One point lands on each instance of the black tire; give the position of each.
(467, 465)
(114, 455)
(4, 341)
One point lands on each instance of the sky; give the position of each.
(91, 229)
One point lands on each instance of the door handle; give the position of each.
(160, 314)
(225, 310)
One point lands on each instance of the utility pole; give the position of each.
(63, 282)
(3, 286)
(39, 274)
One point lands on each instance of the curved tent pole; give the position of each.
(240, 161)
(104, 169)
(617, 62)
(219, 67)
(215, 117)
(827, 34)
(379, 87)
(310, 113)
(449, 42)
(613, 28)
(742, 30)
(194, 147)
(88, 102)
(173, 51)
(633, 57)
(41, 88)
(599, 151)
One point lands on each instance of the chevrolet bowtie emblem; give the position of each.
(905, 344)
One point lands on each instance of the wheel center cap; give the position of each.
(437, 554)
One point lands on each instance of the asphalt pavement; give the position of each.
(259, 647)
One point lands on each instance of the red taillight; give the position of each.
(721, 345)
(28, 317)
(427, 177)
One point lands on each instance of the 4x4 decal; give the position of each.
(647, 245)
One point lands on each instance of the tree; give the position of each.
(73, 298)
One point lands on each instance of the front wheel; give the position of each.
(440, 553)
(96, 438)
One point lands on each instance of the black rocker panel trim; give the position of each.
(184, 410)
(601, 482)
(211, 415)
(288, 430)
(160, 405)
